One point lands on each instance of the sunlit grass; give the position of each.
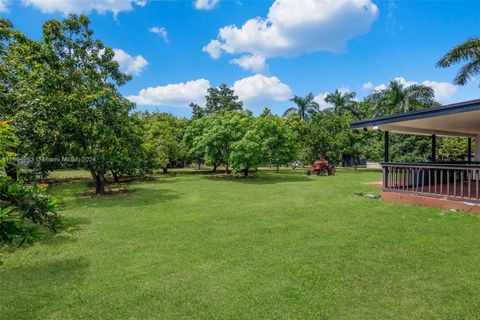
(278, 246)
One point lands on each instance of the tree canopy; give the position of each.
(164, 139)
(61, 95)
(218, 99)
(304, 106)
(398, 97)
(343, 102)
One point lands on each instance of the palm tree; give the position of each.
(468, 51)
(398, 97)
(305, 107)
(343, 102)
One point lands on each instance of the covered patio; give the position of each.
(458, 181)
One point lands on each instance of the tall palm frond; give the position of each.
(289, 110)
(398, 97)
(304, 106)
(342, 102)
(467, 51)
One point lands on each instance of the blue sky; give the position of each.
(268, 51)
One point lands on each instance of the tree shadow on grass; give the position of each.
(77, 195)
(260, 178)
(139, 198)
(26, 290)
(203, 172)
(71, 227)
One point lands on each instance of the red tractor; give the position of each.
(322, 168)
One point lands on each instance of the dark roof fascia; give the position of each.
(453, 108)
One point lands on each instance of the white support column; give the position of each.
(477, 148)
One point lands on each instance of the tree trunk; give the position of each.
(99, 180)
(245, 172)
(199, 166)
(226, 168)
(115, 176)
(278, 168)
(11, 171)
(165, 169)
(215, 167)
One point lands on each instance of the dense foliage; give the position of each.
(163, 135)
(61, 94)
(25, 211)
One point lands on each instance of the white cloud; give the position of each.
(254, 91)
(214, 49)
(205, 4)
(128, 64)
(161, 31)
(380, 87)
(367, 85)
(444, 91)
(175, 95)
(260, 90)
(295, 27)
(83, 6)
(4, 5)
(405, 82)
(255, 63)
(320, 99)
(343, 89)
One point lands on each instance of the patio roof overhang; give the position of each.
(458, 119)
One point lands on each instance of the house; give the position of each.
(445, 184)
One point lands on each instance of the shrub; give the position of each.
(25, 213)
(25, 210)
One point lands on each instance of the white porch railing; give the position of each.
(450, 180)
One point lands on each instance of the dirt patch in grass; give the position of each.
(110, 192)
(224, 175)
(59, 181)
(130, 179)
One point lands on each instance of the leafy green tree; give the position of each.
(304, 106)
(406, 148)
(7, 145)
(192, 139)
(328, 136)
(197, 111)
(247, 152)
(23, 86)
(299, 128)
(64, 93)
(101, 137)
(277, 140)
(87, 77)
(222, 130)
(221, 99)
(129, 155)
(398, 97)
(211, 137)
(452, 148)
(468, 52)
(164, 139)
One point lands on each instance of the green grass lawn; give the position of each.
(277, 246)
